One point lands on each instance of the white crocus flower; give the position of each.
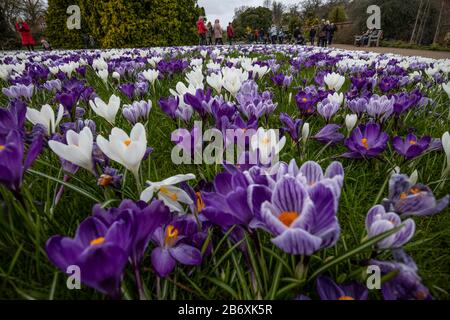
(413, 177)
(78, 149)
(103, 74)
(350, 121)
(107, 111)
(168, 193)
(446, 87)
(126, 150)
(215, 80)
(195, 78)
(305, 132)
(446, 146)
(151, 75)
(116, 75)
(260, 71)
(268, 144)
(336, 98)
(181, 89)
(46, 117)
(334, 81)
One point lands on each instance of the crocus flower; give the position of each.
(327, 109)
(46, 117)
(78, 149)
(380, 108)
(267, 143)
(379, 221)
(407, 199)
(366, 141)
(330, 290)
(336, 98)
(146, 218)
(171, 250)
(100, 251)
(169, 105)
(19, 91)
(127, 89)
(329, 134)
(411, 147)
(282, 80)
(334, 81)
(291, 126)
(350, 121)
(13, 118)
(167, 192)
(151, 75)
(357, 105)
(110, 177)
(446, 147)
(407, 284)
(302, 221)
(215, 80)
(13, 162)
(446, 87)
(107, 111)
(306, 103)
(126, 150)
(137, 112)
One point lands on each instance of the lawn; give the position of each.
(205, 238)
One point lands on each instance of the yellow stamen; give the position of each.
(287, 217)
(346, 298)
(97, 241)
(171, 235)
(170, 194)
(304, 99)
(364, 143)
(413, 142)
(2, 147)
(200, 203)
(414, 190)
(403, 195)
(127, 142)
(265, 140)
(309, 110)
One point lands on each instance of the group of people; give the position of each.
(325, 33)
(209, 31)
(24, 30)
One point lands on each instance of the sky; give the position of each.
(224, 9)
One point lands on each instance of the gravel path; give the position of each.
(400, 51)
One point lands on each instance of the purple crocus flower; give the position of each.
(146, 218)
(291, 126)
(199, 101)
(306, 103)
(416, 200)
(137, 112)
(366, 141)
(379, 221)
(100, 251)
(357, 105)
(302, 220)
(169, 106)
(388, 83)
(282, 80)
(19, 91)
(13, 118)
(407, 284)
(380, 108)
(110, 177)
(128, 89)
(329, 134)
(327, 109)
(330, 290)
(13, 162)
(171, 250)
(411, 147)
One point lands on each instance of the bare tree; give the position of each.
(277, 12)
(267, 4)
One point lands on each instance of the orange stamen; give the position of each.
(364, 143)
(171, 235)
(287, 217)
(97, 241)
(127, 142)
(200, 203)
(346, 298)
(170, 194)
(403, 195)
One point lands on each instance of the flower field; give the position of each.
(115, 172)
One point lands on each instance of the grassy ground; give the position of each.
(25, 271)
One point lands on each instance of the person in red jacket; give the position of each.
(230, 33)
(201, 30)
(25, 33)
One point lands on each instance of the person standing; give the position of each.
(248, 31)
(230, 33)
(312, 34)
(201, 30)
(25, 34)
(256, 35)
(218, 32)
(273, 34)
(331, 30)
(323, 34)
(209, 33)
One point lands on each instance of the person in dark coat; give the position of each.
(312, 34)
(230, 33)
(323, 29)
(25, 34)
(331, 30)
(209, 33)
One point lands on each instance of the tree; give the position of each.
(337, 14)
(255, 18)
(277, 12)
